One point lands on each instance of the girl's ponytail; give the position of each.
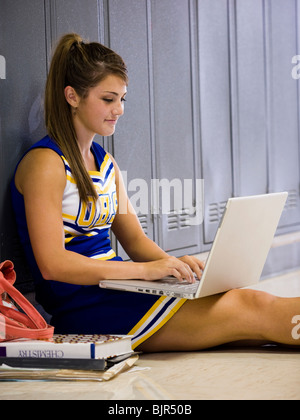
(82, 66)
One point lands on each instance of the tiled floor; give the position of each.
(235, 373)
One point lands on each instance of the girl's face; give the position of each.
(99, 112)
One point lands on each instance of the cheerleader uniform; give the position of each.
(77, 309)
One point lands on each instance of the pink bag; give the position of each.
(13, 323)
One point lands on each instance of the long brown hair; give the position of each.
(82, 66)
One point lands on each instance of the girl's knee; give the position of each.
(250, 300)
(250, 312)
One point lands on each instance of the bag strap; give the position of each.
(7, 268)
(29, 324)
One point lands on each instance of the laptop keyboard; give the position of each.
(181, 285)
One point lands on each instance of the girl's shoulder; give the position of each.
(37, 162)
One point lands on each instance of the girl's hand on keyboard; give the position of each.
(182, 268)
(194, 263)
(169, 266)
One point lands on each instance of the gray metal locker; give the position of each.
(215, 112)
(23, 46)
(175, 141)
(283, 106)
(248, 98)
(132, 142)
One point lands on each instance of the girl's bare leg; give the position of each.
(241, 314)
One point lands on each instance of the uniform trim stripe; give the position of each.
(155, 318)
(105, 256)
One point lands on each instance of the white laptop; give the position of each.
(237, 256)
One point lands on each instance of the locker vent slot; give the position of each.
(292, 200)
(178, 220)
(216, 211)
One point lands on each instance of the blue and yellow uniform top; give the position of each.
(90, 309)
(87, 226)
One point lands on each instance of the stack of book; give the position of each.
(63, 353)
